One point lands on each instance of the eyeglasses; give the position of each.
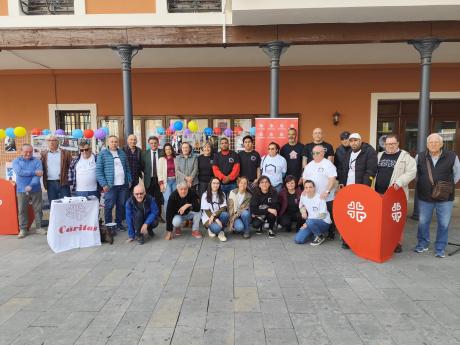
(84, 150)
(314, 153)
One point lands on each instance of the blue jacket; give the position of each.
(105, 168)
(25, 174)
(150, 212)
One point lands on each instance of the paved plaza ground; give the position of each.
(257, 291)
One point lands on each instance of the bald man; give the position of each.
(317, 140)
(141, 215)
(133, 153)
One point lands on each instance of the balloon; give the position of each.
(217, 131)
(252, 131)
(160, 130)
(228, 132)
(2, 134)
(20, 132)
(207, 131)
(88, 133)
(169, 131)
(171, 127)
(10, 133)
(237, 130)
(178, 125)
(187, 132)
(106, 130)
(59, 132)
(36, 131)
(193, 126)
(46, 132)
(77, 133)
(100, 134)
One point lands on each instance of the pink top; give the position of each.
(170, 167)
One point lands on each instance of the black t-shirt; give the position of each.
(328, 150)
(293, 155)
(226, 162)
(385, 170)
(204, 168)
(293, 206)
(249, 162)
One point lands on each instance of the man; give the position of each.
(55, 164)
(112, 173)
(28, 170)
(324, 174)
(292, 152)
(342, 150)
(317, 140)
(133, 154)
(360, 166)
(437, 164)
(226, 166)
(82, 172)
(141, 215)
(183, 204)
(395, 168)
(149, 164)
(186, 165)
(249, 161)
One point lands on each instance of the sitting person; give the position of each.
(264, 206)
(183, 204)
(214, 210)
(289, 200)
(238, 208)
(314, 211)
(141, 215)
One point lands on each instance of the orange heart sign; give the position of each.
(371, 224)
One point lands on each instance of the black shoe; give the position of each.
(398, 249)
(259, 231)
(331, 235)
(345, 245)
(121, 227)
(271, 233)
(140, 239)
(246, 235)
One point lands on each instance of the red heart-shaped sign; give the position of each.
(371, 224)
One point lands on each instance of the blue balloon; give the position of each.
(252, 131)
(77, 133)
(10, 133)
(207, 131)
(178, 125)
(46, 132)
(106, 130)
(160, 130)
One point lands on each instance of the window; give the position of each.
(70, 120)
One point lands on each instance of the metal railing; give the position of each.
(186, 6)
(47, 7)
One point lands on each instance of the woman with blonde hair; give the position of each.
(239, 200)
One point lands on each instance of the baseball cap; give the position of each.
(354, 136)
(344, 135)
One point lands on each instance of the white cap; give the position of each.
(354, 136)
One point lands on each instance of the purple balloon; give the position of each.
(99, 134)
(171, 127)
(228, 132)
(59, 132)
(187, 132)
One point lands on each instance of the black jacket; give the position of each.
(260, 202)
(175, 202)
(339, 157)
(365, 168)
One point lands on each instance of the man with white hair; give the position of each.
(438, 170)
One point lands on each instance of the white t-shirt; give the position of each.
(273, 168)
(54, 165)
(119, 173)
(316, 207)
(351, 170)
(85, 171)
(214, 206)
(320, 173)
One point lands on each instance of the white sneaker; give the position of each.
(211, 234)
(222, 237)
(22, 234)
(42, 231)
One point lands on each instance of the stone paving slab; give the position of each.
(257, 291)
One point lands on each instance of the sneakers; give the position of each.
(318, 240)
(121, 227)
(222, 237)
(22, 233)
(196, 234)
(271, 233)
(331, 236)
(246, 235)
(140, 240)
(211, 234)
(440, 254)
(259, 230)
(41, 231)
(420, 249)
(177, 231)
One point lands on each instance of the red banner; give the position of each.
(270, 129)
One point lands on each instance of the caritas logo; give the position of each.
(80, 227)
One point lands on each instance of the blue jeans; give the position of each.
(95, 193)
(116, 196)
(216, 228)
(56, 191)
(278, 187)
(193, 216)
(227, 188)
(242, 222)
(443, 215)
(170, 187)
(314, 227)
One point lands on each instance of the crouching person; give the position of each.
(214, 206)
(238, 208)
(141, 215)
(264, 207)
(183, 204)
(314, 210)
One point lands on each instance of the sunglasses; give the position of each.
(316, 153)
(84, 150)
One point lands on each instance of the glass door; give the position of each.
(408, 141)
(385, 126)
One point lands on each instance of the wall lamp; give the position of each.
(336, 118)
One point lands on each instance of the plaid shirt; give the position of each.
(134, 163)
(72, 171)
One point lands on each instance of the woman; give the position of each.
(238, 207)
(204, 168)
(314, 210)
(264, 206)
(274, 166)
(167, 173)
(187, 166)
(214, 210)
(289, 200)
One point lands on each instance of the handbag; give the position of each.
(441, 189)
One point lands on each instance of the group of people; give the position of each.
(230, 192)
